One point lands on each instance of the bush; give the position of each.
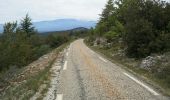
(139, 35)
(110, 36)
(39, 51)
(56, 40)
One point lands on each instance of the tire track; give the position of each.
(80, 82)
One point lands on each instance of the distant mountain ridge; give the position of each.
(65, 31)
(60, 25)
(79, 29)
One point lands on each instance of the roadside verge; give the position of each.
(140, 74)
(28, 81)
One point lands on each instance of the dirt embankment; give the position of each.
(18, 81)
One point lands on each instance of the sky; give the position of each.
(42, 10)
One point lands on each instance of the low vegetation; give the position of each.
(23, 68)
(136, 33)
(31, 78)
(21, 44)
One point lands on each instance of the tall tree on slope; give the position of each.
(27, 26)
(106, 18)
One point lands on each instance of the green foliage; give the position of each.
(168, 27)
(56, 40)
(101, 29)
(27, 26)
(118, 28)
(107, 12)
(138, 28)
(91, 37)
(149, 37)
(139, 35)
(20, 45)
(107, 18)
(144, 25)
(79, 32)
(111, 36)
(10, 27)
(40, 50)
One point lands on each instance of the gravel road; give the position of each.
(85, 75)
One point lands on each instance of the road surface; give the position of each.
(86, 75)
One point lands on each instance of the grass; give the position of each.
(27, 89)
(131, 65)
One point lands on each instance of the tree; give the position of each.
(139, 35)
(10, 27)
(27, 26)
(107, 11)
(106, 18)
(8, 36)
(20, 46)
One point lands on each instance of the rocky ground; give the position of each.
(54, 80)
(17, 85)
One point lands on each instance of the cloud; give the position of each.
(50, 9)
(11, 10)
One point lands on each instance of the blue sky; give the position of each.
(39, 10)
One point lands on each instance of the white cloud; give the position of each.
(50, 9)
(11, 10)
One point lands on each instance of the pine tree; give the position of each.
(107, 11)
(106, 18)
(27, 26)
